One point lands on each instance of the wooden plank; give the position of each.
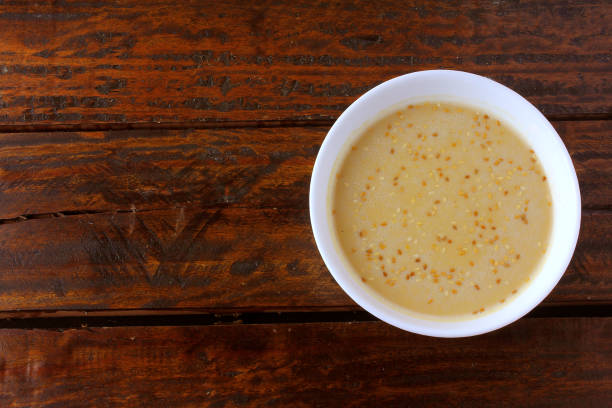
(158, 61)
(590, 146)
(535, 362)
(233, 259)
(101, 171)
(122, 170)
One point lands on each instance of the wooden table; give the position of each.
(155, 245)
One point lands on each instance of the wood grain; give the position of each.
(45, 173)
(591, 154)
(147, 222)
(234, 259)
(534, 362)
(76, 62)
(101, 171)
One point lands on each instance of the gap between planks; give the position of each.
(71, 213)
(190, 318)
(222, 124)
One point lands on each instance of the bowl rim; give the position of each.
(386, 310)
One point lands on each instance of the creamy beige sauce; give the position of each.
(441, 209)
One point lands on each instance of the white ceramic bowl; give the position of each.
(478, 91)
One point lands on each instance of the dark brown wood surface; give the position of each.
(541, 362)
(75, 62)
(245, 167)
(224, 259)
(155, 160)
(171, 210)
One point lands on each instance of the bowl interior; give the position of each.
(477, 91)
